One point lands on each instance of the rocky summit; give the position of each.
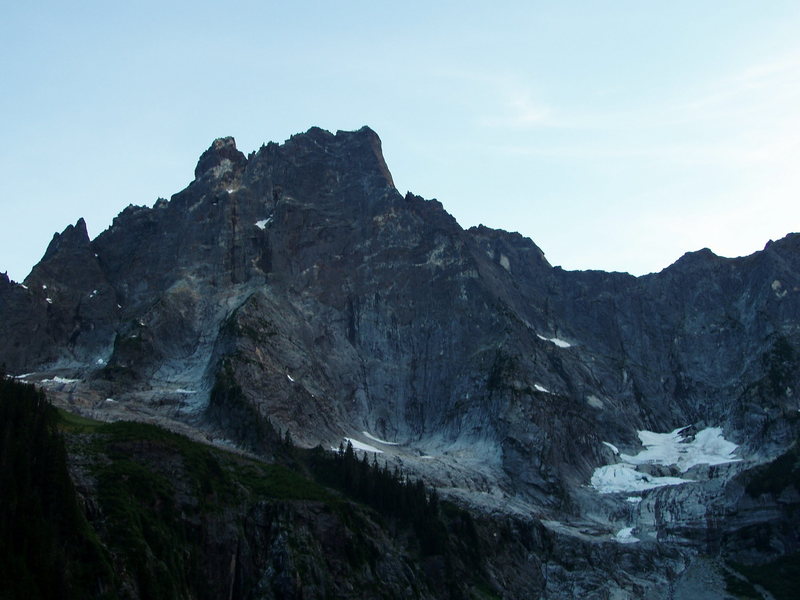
(627, 437)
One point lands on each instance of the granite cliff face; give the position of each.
(296, 286)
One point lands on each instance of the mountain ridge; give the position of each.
(297, 287)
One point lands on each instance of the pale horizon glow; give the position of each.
(616, 135)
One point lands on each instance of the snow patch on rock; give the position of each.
(58, 379)
(380, 441)
(625, 536)
(262, 224)
(554, 340)
(594, 402)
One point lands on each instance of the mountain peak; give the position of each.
(74, 236)
(374, 142)
(220, 158)
(361, 148)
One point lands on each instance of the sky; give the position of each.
(616, 135)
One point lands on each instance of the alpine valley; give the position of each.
(541, 433)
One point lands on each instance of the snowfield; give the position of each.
(359, 446)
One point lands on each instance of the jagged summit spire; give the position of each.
(73, 236)
(360, 148)
(221, 156)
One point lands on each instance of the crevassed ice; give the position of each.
(625, 478)
(708, 447)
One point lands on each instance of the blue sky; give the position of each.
(616, 135)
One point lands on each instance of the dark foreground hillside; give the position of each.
(47, 547)
(154, 515)
(130, 510)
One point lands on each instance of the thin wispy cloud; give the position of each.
(747, 118)
(756, 90)
(519, 110)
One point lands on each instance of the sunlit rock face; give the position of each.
(297, 286)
